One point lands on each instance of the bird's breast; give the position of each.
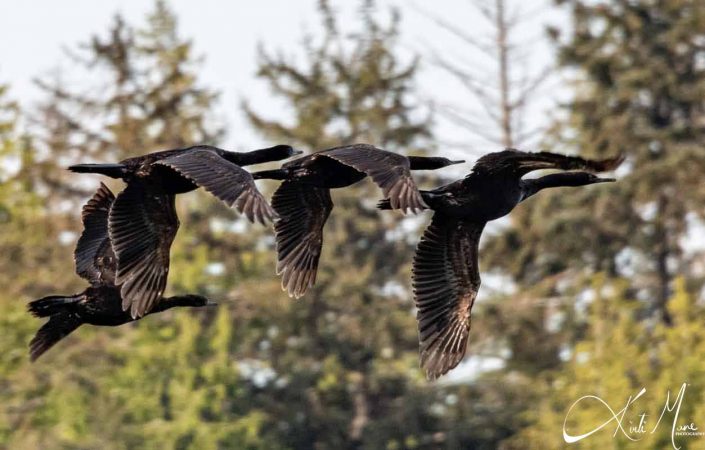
(167, 180)
(104, 307)
(478, 204)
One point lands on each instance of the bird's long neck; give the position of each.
(235, 158)
(425, 163)
(565, 179)
(254, 157)
(173, 302)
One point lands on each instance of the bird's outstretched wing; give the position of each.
(388, 170)
(94, 256)
(227, 181)
(58, 327)
(302, 211)
(568, 162)
(142, 226)
(526, 162)
(445, 281)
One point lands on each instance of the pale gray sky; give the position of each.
(33, 33)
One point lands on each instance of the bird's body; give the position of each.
(101, 303)
(480, 199)
(159, 172)
(143, 221)
(344, 166)
(322, 171)
(445, 272)
(160, 177)
(303, 201)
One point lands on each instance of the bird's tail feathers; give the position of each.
(52, 304)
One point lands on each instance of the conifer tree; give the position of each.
(344, 358)
(158, 383)
(636, 92)
(617, 358)
(150, 100)
(639, 93)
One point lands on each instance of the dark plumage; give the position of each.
(303, 201)
(101, 303)
(445, 275)
(143, 220)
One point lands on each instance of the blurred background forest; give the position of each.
(590, 291)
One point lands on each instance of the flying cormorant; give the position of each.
(303, 201)
(101, 303)
(143, 220)
(445, 274)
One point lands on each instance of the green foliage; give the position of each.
(170, 382)
(638, 91)
(339, 367)
(617, 358)
(352, 88)
(344, 357)
(152, 100)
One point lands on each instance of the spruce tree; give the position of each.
(619, 356)
(148, 99)
(636, 91)
(344, 358)
(639, 93)
(157, 383)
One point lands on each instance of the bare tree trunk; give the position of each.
(503, 56)
(499, 99)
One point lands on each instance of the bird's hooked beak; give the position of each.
(604, 180)
(458, 161)
(211, 303)
(297, 152)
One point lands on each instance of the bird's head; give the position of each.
(585, 178)
(595, 179)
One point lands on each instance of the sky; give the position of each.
(34, 34)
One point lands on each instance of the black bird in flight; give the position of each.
(445, 274)
(303, 201)
(143, 221)
(101, 303)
